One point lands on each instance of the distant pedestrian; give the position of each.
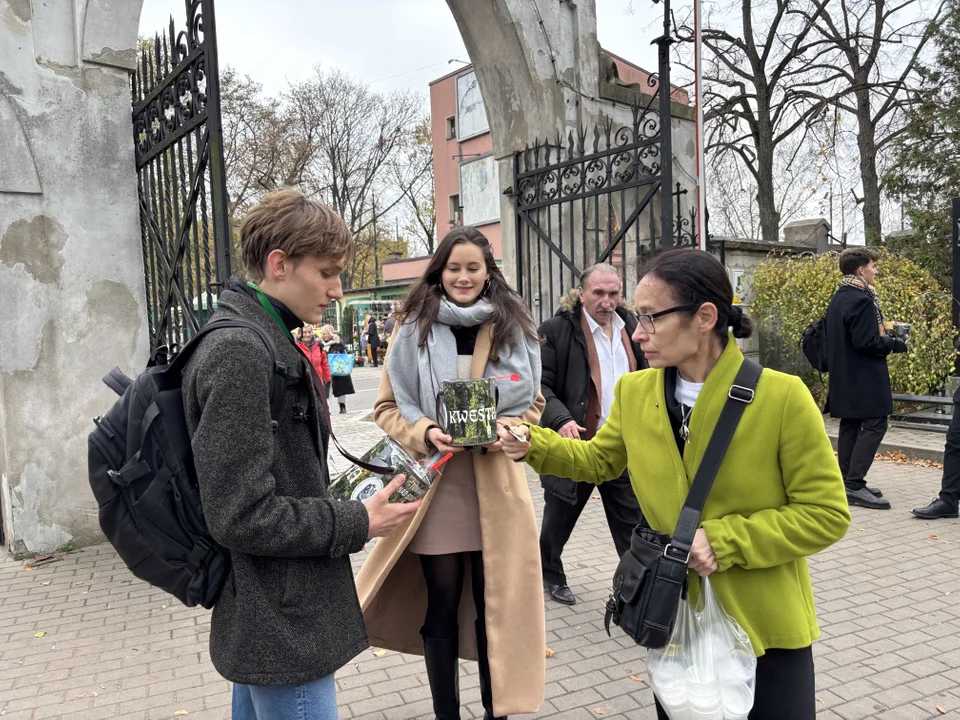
(859, 392)
(342, 384)
(316, 355)
(586, 350)
(388, 327)
(373, 339)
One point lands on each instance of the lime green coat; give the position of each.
(778, 497)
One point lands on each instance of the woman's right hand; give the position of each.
(440, 440)
(512, 446)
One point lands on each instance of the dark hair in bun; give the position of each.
(697, 277)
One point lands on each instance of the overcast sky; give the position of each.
(389, 43)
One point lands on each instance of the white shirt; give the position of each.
(613, 361)
(687, 392)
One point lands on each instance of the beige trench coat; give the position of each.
(393, 594)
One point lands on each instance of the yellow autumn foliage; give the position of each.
(790, 292)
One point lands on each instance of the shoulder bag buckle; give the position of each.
(741, 394)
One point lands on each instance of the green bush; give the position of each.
(789, 293)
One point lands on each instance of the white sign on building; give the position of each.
(480, 191)
(471, 114)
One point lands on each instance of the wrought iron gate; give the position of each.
(593, 196)
(184, 221)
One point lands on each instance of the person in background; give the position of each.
(388, 327)
(472, 550)
(342, 385)
(373, 339)
(859, 393)
(586, 350)
(777, 497)
(316, 355)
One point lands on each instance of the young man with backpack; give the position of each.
(859, 394)
(288, 615)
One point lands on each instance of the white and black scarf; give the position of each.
(857, 282)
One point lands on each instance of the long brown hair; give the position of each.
(423, 303)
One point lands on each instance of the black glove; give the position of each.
(899, 346)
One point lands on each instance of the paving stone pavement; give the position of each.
(81, 638)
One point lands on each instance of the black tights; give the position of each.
(444, 578)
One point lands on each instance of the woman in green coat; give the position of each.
(777, 498)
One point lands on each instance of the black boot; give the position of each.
(443, 672)
(343, 408)
(486, 686)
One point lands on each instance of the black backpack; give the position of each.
(142, 474)
(813, 344)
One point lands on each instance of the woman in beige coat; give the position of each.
(467, 567)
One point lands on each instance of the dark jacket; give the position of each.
(289, 612)
(857, 357)
(565, 382)
(373, 337)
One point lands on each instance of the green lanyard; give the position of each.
(271, 310)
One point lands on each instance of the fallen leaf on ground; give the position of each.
(39, 634)
(934, 537)
(109, 606)
(44, 583)
(78, 583)
(379, 653)
(941, 710)
(549, 653)
(600, 711)
(182, 712)
(820, 700)
(638, 678)
(29, 569)
(577, 627)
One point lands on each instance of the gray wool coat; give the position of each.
(289, 612)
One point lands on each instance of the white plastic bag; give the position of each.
(708, 670)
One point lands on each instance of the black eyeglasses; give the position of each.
(646, 319)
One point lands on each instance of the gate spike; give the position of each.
(570, 146)
(582, 135)
(596, 138)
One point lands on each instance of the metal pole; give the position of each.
(218, 176)
(955, 246)
(666, 139)
(702, 236)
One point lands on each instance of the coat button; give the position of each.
(338, 550)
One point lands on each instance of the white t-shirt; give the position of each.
(613, 361)
(687, 392)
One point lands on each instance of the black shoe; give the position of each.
(876, 492)
(486, 685)
(864, 498)
(443, 672)
(343, 408)
(935, 510)
(561, 593)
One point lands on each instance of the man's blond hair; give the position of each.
(287, 220)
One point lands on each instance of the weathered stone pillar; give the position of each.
(72, 302)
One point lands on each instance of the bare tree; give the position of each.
(874, 47)
(413, 176)
(756, 99)
(354, 136)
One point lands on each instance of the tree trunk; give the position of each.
(766, 197)
(867, 142)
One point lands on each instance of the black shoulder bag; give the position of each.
(652, 575)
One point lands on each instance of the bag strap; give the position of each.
(740, 395)
(279, 379)
(325, 411)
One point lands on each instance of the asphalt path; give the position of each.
(366, 394)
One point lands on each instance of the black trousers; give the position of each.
(858, 443)
(444, 578)
(374, 349)
(560, 517)
(786, 687)
(950, 484)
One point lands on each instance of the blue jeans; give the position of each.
(315, 700)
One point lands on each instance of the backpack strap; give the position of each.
(740, 395)
(117, 381)
(280, 371)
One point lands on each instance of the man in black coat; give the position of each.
(946, 504)
(860, 394)
(288, 616)
(586, 348)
